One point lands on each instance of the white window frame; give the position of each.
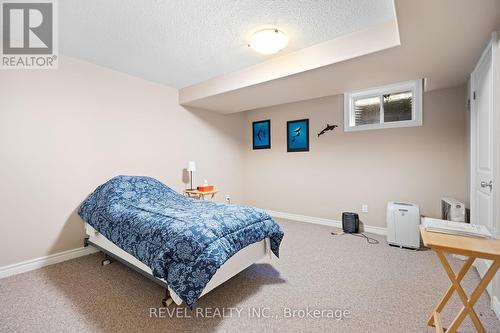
(414, 86)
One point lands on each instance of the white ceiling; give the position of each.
(439, 40)
(183, 42)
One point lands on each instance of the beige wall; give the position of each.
(65, 131)
(344, 170)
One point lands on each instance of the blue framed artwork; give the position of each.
(261, 133)
(297, 135)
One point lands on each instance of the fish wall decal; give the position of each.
(327, 128)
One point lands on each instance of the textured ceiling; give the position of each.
(440, 41)
(183, 42)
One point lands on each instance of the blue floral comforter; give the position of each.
(182, 240)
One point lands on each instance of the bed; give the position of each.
(188, 246)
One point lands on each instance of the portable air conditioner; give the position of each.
(403, 220)
(452, 210)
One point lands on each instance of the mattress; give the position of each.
(184, 241)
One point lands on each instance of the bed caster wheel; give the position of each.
(167, 301)
(105, 262)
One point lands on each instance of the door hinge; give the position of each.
(474, 95)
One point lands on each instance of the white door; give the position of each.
(482, 141)
(482, 147)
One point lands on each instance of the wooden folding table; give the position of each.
(473, 248)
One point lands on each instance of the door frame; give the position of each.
(483, 265)
(493, 48)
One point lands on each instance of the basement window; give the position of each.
(395, 105)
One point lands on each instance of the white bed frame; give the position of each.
(238, 262)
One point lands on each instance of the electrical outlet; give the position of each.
(364, 208)
(228, 199)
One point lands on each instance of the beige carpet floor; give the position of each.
(385, 289)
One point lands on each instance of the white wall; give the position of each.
(63, 132)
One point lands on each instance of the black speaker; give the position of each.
(350, 223)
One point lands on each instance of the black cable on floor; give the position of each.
(368, 239)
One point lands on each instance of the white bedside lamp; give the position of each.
(190, 168)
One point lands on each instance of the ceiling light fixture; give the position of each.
(268, 41)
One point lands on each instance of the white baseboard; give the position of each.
(319, 220)
(495, 304)
(55, 258)
(482, 266)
